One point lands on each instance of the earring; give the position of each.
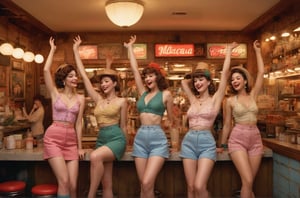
(64, 83)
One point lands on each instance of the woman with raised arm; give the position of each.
(111, 115)
(62, 140)
(150, 148)
(244, 144)
(198, 149)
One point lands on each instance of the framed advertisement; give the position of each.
(18, 65)
(88, 51)
(17, 89)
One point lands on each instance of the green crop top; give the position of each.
(155, 105)
(108, 114)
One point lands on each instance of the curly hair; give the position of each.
(247, 87)
(160, 79)
(61, 74)
(211, 86)
(114, 78)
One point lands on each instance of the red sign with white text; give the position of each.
(174, 50)
(218, 50)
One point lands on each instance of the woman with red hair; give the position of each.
(150, 148)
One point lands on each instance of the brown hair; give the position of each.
(246, 76)
(160, 79)
(114, 78)
(205, 74)
(61, 74)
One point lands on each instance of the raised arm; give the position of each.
(187, 90)
(218, 96)
(47, 74)
(78, 126)
(227, 124)
(260, 70)
(134, 65)
(87, 83)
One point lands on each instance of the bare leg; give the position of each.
(190, 169)
(60, 171)
(204, 169)
(97, 159)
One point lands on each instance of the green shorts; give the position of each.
(114, 138)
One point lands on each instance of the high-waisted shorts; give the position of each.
(198, 144)
(149, 141)
(114, 138)
(246, 138)
(60, 140)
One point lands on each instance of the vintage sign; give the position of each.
(218, 50)
(140, 50)
(174, 50)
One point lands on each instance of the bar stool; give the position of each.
(44, 190)
(12, 189)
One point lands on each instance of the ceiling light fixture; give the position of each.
(38, 58)
(6, 49)
(28, 57)
(124, 13)
(18, 53)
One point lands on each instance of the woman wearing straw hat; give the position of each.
(244, 144)
(150, 148)
(111, 115)
(62, 140)
(198, 148)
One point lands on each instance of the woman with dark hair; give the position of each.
(62, 140)
(244, 145)
(198, 148)
(150, 148)
(36, 117)
(111, 115)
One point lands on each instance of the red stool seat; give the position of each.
(12, 186)
(44, 189)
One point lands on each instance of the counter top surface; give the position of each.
(36, 154)
(284, 148)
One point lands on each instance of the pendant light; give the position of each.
(38, 58)
(6, 49)
(28, 57)
(124, 13)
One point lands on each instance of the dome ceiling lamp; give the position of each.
(124, 13)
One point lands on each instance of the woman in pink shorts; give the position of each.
(62, 140)
(244, 144)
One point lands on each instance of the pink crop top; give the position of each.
(203, 117)
(242, 114)
(61, 112)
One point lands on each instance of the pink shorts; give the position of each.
(60, 140)
(246, 138)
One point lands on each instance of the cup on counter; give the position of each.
(10, 142)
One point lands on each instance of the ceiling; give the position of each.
(89, 15)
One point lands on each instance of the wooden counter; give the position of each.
(223, 182)
(284, 148)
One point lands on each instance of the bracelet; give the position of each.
(224, 146)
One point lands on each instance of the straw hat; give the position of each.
(109, 72)
(202, 68)
(245, 72)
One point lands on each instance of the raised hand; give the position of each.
(131, 41)
(52, 44)
(77, 41)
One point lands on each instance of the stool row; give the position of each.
(17, 189)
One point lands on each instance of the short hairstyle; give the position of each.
(61, 74)
(114, 78)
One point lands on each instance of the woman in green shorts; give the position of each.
(111, 115)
